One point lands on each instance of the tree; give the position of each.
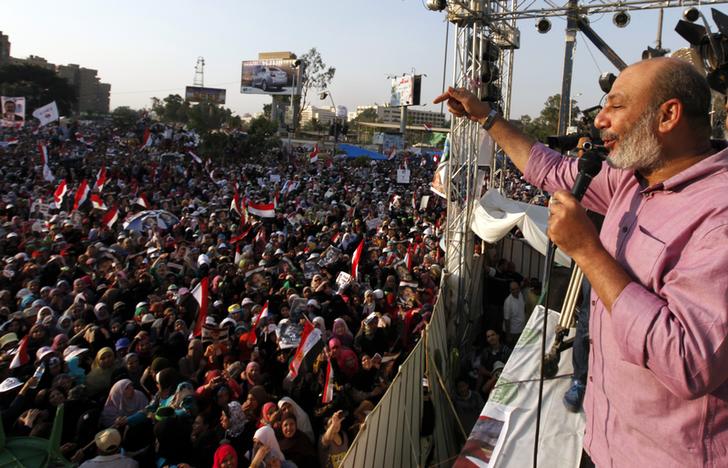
(203, 117)
(547, 123)
(39, 85)
(367, 115)
(316, 75)
(125, 117)
(262, 137)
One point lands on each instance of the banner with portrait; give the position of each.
(13, 109)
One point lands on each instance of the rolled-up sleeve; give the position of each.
(680, 334)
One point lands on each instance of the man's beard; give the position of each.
(638, 148)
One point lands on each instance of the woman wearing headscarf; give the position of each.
(123, 404)
(225, 457)
(295, 445)
(60, 343)
(257, 397)
(342, 332)
(183, 401)
(98, 381)
(266, 437)
(303, 423)
(237, 432)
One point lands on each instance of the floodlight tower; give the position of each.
(199, 72)
(483, 63)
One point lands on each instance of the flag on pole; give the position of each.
(43, 150)
(81, 194)
(200, 293)
(147, 139)
(328, 393)
(21, 357)
(251, 336)
(309, 337)
(100, 179)
(9, 142)
(263, 210)
(313, 155)
(355, 260)
(428, 126)
(46, 114)
(97, 202)
(110, 217)
(197, 159)
(59, 193)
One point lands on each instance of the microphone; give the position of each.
(590, 164)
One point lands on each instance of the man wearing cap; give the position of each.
(108, 446)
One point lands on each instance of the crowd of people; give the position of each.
(255, 320)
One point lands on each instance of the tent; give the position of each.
(495, 215)
(353, 151)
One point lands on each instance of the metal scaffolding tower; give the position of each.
(199, 72)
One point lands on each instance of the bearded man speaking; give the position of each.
(657, 392)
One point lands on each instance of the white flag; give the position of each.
(47, 113)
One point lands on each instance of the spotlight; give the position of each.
(606, 80)
(323, 95)
(543, 25)
(436, 5)
(621, 19)
(691, 14)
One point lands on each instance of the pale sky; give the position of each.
(150, 48)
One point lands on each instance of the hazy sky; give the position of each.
(150, 48)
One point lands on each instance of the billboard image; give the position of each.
(13, 111)
(200, 94)
(405, 91)
(270, 76)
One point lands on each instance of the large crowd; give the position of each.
(287, 352)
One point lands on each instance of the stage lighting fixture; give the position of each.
(543, 25)
(691, 14)
(606, 80)
(621, 19)
(436, 5)
(711, 47)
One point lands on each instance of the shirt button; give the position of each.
(591, 379)
(624, 228)
(594, 302)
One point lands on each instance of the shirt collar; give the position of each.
(713, 164)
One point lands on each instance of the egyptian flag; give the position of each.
(81, 194)
(100, 179)
(238, 254)
(147, 139)
(197, 159)
(408, 258)
(200, 293)
(142, 201)
(355, 260)
(10, 141)
(313, 155)
(309, 338)
(241, 236)
(97, 202)
(428, 126)
(43, 150)
(60, 193)
(252, 337)
(21, 357)
(262, 210)
(110, 217)
(328, 393)
(392, 154)
(235, 206)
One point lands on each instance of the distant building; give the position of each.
(324, 116)
(92, 95)
(4, 49)
(389, 114)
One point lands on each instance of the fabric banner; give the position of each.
(504, 434)
(494, 216)
(46, 114)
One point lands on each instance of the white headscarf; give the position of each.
(302, 420)
(267, 437)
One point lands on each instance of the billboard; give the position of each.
(13, 111)
(270, 76)
(200, 94)
(405, 91)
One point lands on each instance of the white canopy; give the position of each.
(494, 216)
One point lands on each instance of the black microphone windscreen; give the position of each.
(590, 163)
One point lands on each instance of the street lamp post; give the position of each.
(323, 95)
(295, 70)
